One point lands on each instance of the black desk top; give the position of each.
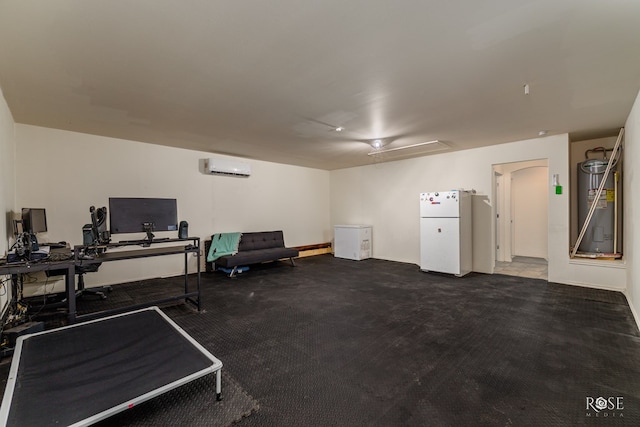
(62, 257)
(58, 258)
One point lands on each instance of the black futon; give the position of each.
(254, 248)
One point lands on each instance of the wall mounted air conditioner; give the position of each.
(227, 167)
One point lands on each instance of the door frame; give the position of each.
(499, 215)
(514, 219)
(505, 170)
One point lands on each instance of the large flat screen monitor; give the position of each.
(34, 220)
(135, 215)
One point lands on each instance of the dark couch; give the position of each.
(254, 248)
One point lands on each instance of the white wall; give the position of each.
(631, 180)
(386, 196)
(66, 172)
(7, 185)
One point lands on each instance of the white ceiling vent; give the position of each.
(227, 167)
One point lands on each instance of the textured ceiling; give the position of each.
(271, 80)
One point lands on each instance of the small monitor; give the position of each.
(34, 220)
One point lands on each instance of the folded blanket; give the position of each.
(223, 244)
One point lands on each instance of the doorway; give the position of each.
(529, 187)
(521, 218)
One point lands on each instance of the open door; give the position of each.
(529, 201)
(498, 177)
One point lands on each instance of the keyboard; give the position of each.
(54, 245)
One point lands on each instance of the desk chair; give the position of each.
(99, 291)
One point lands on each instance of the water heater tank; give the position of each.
(599, 236)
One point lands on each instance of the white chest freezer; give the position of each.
(352, 242)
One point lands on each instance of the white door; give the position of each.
(529, 192)
(498, 204)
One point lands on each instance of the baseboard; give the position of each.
(316, 249)
(588, 285)
(312, 252)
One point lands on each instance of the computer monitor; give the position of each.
(34, 220)
(135, 214)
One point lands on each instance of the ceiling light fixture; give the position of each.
(543, 133)
(339, 129)
(376, 144)
(420, 144)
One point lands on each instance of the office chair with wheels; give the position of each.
(100, 291)
(94, 234)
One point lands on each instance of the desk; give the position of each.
(144, 252)
(69, 267)
(24, 267)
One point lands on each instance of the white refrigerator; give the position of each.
(445, 232)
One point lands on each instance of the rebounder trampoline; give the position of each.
(80, 374)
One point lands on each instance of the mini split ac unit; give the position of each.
(227, 167)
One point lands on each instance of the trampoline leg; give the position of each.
(219, 385)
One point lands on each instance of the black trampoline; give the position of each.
(83, 373)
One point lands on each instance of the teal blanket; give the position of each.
(223, 244)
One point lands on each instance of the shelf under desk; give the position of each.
(137, 253)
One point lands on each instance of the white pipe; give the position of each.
(594, 203)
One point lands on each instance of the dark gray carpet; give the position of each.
(345, 343)
(339, 342)
(194, 404)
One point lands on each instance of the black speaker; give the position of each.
(88, 238)
(183, 230)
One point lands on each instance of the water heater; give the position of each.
(600, 234)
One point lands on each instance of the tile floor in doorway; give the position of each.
(535, 268)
